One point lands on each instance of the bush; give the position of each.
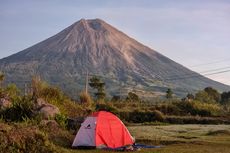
(198, 108)
(85, 99)
(52, 94)
(106, 107)
(138, 116)
(12, 92)
(18, 139)
(61, 120)
(22, 108)
(159, 116)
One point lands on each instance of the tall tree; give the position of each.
(213, 93)
(225, 98)
(97, 84)
(169, 93)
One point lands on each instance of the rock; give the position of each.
(4, 103)
(41, 101)
(52, 124)
(45, 109)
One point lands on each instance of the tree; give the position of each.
(97, 84)
(225, 98)
(169, 93)
(116, 98)
(132, 97)
(213, 93)
(190, 96)
(203, 96)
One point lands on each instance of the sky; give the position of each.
(194, 33)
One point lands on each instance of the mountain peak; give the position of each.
(96, 46)
(91, 24)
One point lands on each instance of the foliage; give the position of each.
(37, 86)
(116, 98)
(61, 120)
(138, 116)
(213, 93)
(52, 93)
(203, 96)
(2, 76)
(12, 91)
(169, 94)
(132, 97)
(97, 84)
(18, 139)
(159, 116)
(208, 95)
(190, 96)
(106, 107)
(85, 99)
(22, 108)
(199, 108)
(225, 98)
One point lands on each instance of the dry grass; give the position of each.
(173, 138)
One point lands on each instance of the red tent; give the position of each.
(102, 129)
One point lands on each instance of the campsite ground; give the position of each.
(16, 137)
(180, 138)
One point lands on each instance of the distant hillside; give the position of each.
(93, 45)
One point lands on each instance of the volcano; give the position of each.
(96, 47)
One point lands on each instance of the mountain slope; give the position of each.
(101, 49)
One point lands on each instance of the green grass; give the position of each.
(178, 139)
(172, 138)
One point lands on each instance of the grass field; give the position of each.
(173, 138)
(180, 138)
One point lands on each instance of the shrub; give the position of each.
(85, 99)
(138, 116)
(52, 93)
(37, 86)
(198, 108)
(106, 107)
(22, 108)
(18, 139)
(132, 97)
(12, 91)
(61, 120)
(159, 116)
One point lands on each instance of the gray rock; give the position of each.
(5, 103)
(45, 109)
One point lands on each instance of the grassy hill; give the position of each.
(23, 129)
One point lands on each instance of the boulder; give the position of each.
(5, 103)
(39, 103)
(45, 109)
(51, 124)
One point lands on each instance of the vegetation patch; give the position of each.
(218, 132)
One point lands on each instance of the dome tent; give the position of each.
(102, 130)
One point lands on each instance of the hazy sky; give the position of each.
(194, 33)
